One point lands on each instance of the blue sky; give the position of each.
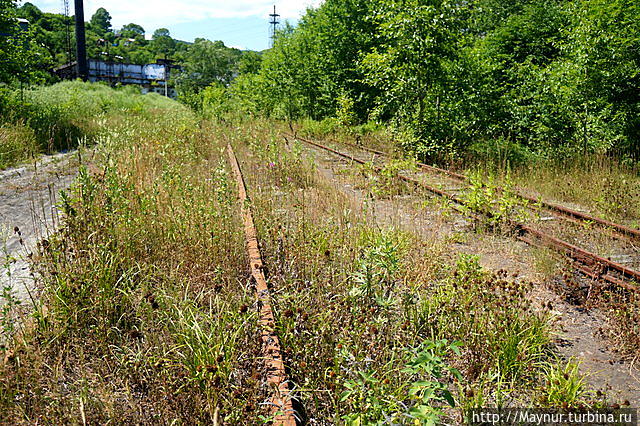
(239, 23)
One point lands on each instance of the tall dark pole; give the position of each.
(81, 44)
(274, 24)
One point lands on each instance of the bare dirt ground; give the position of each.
(28, 213)
(577, 329)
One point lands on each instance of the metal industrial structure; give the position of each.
(274, 24)
(150, 77)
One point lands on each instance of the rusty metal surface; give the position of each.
(280, 406)
(625, 230)
(581, 255)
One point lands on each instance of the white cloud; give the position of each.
(164, 13)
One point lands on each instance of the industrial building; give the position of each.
(150, 77)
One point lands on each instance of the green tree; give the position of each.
(101, 21)
(249, 62)
(412, 67)
(132, 31)
(162, 44)
(21, 60)
(207, 62)
(313, 65)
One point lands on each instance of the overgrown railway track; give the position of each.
(280, 405)
(565, 211)
(589, 263)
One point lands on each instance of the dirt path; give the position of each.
(28, 213)
(576, 328)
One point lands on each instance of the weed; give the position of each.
(383, 182)
(373, 400)
(565, 386)
(499, 205)
(376, 270)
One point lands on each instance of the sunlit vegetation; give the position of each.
(144, 311)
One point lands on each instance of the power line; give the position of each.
(274, 23)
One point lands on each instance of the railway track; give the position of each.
(565, 211)
(586, 261)
(280, 406)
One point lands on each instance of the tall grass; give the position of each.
(357, 302)
(606, 185)
(59, 117)
(146, 311)
(142, 316)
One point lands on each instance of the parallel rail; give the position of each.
(280, 407)
(593, 265)
(622, 229)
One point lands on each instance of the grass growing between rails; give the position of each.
(59, 117)
(376, 324)
(146, 310)
(143, 315)
(606, 186)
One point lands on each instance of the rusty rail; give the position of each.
(578, 254)
(280, 407)
(622, 229)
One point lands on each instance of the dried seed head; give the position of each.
(244, 308)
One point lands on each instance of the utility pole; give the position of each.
(274, 23)
(81, 44)
(67, 23)
(166, 72)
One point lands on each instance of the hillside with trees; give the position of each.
(532, 78)
(51, 43)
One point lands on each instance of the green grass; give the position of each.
(62, 116)
(142, 316)
(608, 187)
(351, 302)
(146, 313)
